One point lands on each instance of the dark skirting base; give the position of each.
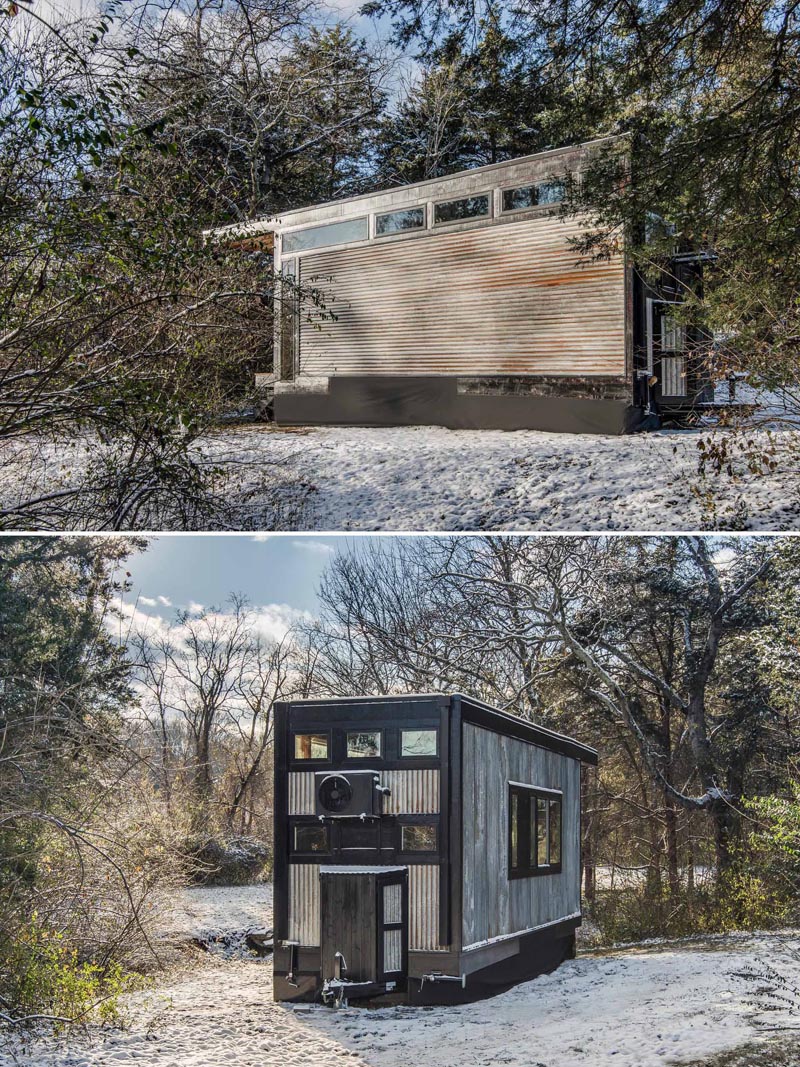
(435, 401)
(538, 955)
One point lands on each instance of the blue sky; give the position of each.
(200, 569)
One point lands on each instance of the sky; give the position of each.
(191, 571)
(278, 573)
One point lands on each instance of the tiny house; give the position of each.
(427, 848)
(462, 301)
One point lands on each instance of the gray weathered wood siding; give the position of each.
(503, 299)
(494, 905)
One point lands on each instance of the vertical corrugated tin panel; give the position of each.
(393, 903)
(301, 793)
(501, 299)
(413, 792)
(423, 906)
(392, 950)
(304, 903)
(673, 376)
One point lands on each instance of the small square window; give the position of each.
(418, 742)
(418, 839)
(310, 839)
(363, 744)
(310, 746)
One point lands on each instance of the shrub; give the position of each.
(237, 861)
(42, 977)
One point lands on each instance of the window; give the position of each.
(418, 742)
(527, 196)
(310, 839)
(333, 233)
(412, 218)
(550, 192)
(418, 839)
(673, 334)
(470, 207)
(363, 743)
(310, 746)
(534, 831)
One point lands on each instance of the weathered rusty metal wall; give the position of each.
(504, 299)
(304, 903)
(494, 905)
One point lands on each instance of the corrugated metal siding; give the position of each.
(494, 905)
(301, 793)
(392, 903)
(413, 792)
(423, 906)
(501, 299)
(304, 903)
(392, 950)
(673, 376)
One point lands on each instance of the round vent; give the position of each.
(335, 792)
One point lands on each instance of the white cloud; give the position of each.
(165, 600)
(260, 538)
(148, 601)
(319, 548)
(195, 608)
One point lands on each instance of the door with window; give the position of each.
(667, 349)
(364, 924)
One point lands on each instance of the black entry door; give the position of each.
(364, 924)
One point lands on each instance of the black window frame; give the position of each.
(412, 823)
(306, 761)
(308, 825)
(528, 796)
(417, 730)
(365, 730)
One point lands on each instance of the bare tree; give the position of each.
(209, 683)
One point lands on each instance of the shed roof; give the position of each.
(272, 223)
(481, 714)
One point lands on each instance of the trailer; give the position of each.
(427, 849)
(462, 301)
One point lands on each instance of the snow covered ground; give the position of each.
(645, 1007)
(433, 479)
(429, 478)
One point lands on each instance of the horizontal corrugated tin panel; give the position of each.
(423, 907)
(502, 299)
(413, 792)
(304, 903)
(301, 792)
